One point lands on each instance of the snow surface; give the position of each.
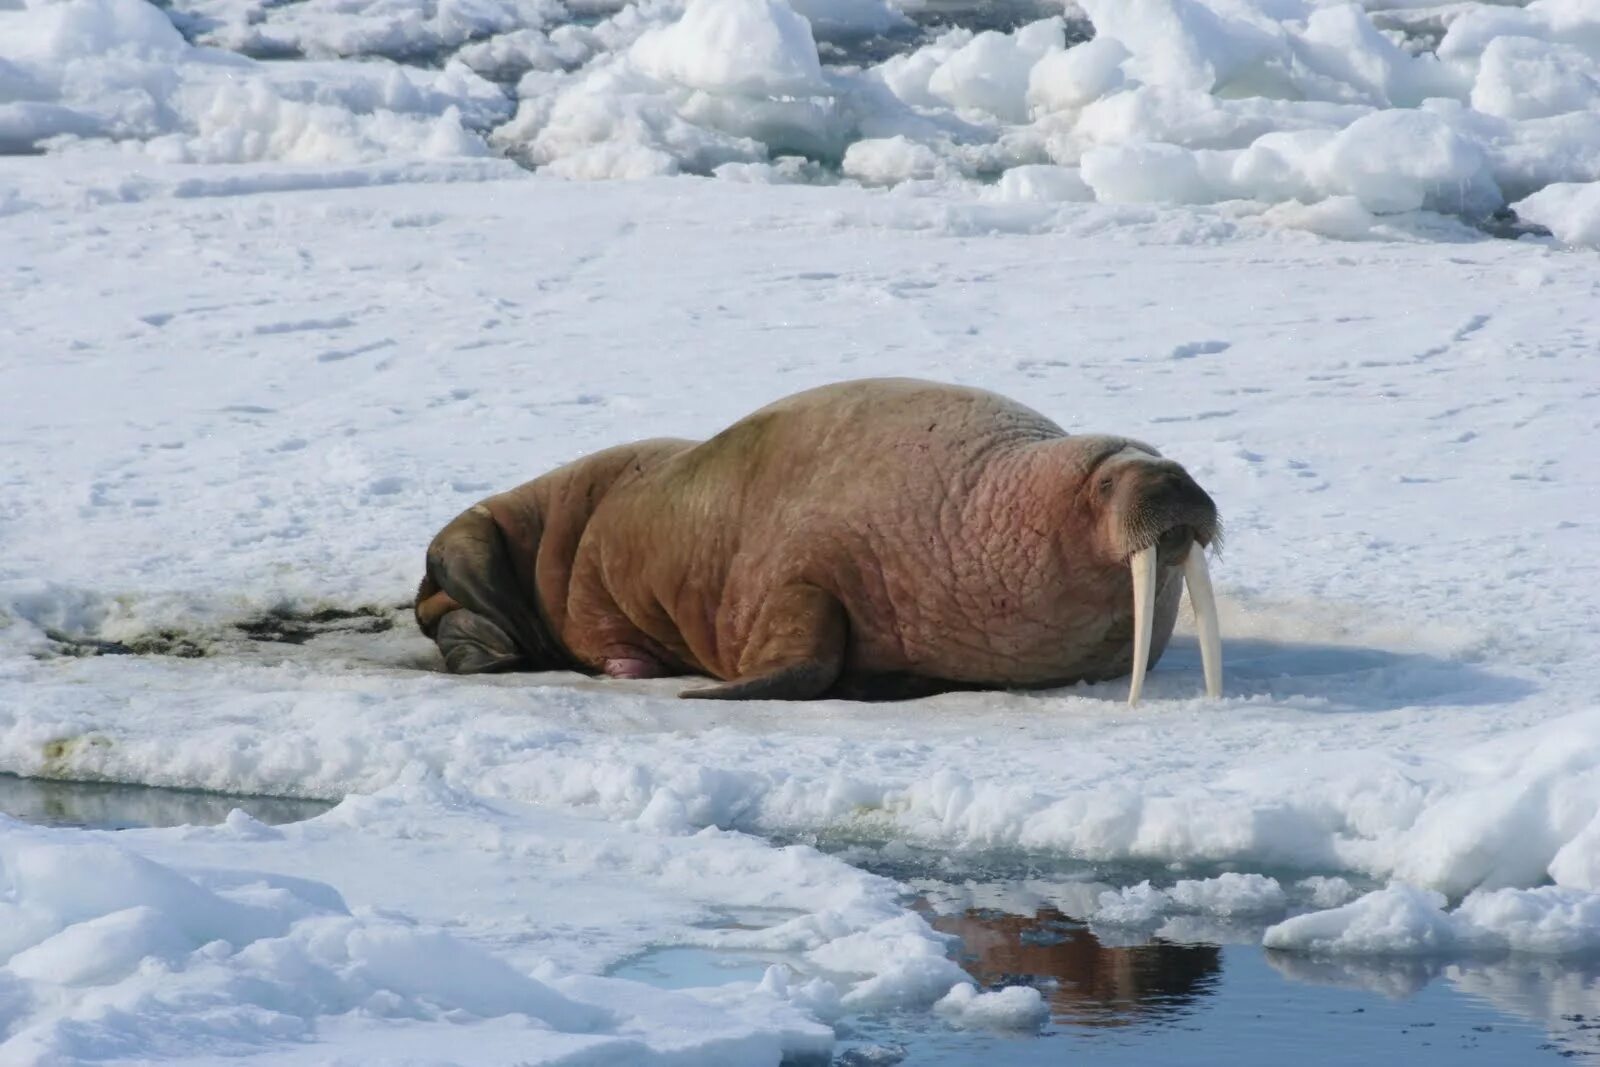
(270, 324)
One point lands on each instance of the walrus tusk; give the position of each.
(1198, 578)
(1143, 565)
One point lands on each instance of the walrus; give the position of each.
(885, 537)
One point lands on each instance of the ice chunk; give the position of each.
(1397, 921)
(1571, 211)
(1016, 1007)
(845, 18)
(1147, 173)
(1186, 43)
(418, 30)
(891, 160)
(748, 47)
(1346, 57)
(1069, 79)
(1135, 905)
(907, 75)
(1547, 920)
(1404, 920)
(1394, 161)
(1040, 182)
(1326, 891)
(1229, 895)
(1574, 22)
(991, 72)
(1524, 78)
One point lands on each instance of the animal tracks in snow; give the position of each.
(334, 355)
(338, 322)
(1192, 349)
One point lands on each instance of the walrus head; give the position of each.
(1154, 515)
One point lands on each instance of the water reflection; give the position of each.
(111, 806)
(1471, 1007)
(1560, 996)
(1085, 981)
(1395, 977)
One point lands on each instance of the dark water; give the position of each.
(1166, 1002)
(1197, 1003)
(1210, 996)
(109, 806)
(935, 18)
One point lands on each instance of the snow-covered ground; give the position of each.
(295, 314)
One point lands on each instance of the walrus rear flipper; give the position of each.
(496, 628)
(795, 651)
(473, 645)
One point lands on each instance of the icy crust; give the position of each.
(96, 70)
(241, 939)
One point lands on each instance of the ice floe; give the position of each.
(1315, 115)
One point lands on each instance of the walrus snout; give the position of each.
(1170, 511)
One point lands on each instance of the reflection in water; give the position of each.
(1561, 996)
(111, 806)
(1395, 977)
(1093, 984)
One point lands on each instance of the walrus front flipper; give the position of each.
(795, 651)
(473, 645)
(471, 562)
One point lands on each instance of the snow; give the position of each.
(274, 321)
(1040, 182)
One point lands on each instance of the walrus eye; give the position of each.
(1106, 485)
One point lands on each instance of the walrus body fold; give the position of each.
(876, 538)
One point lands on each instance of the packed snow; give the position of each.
(277, 305)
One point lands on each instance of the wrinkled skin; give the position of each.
(887, 537)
